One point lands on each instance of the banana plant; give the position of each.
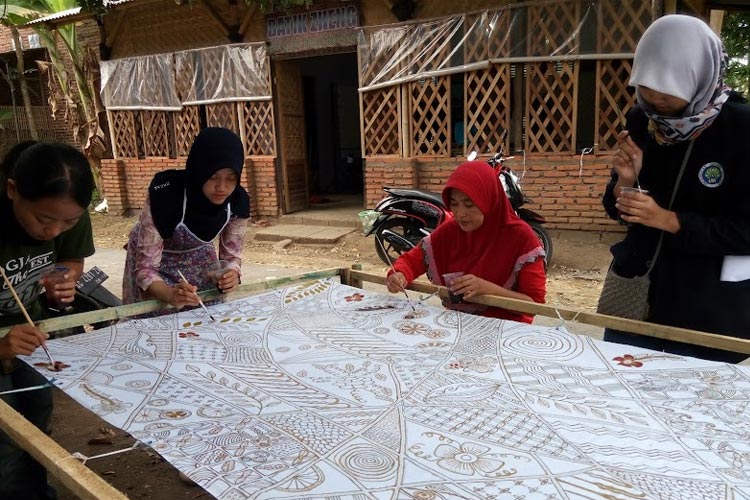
(79, 98)
(14, 10)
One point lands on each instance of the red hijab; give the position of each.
(498, 249)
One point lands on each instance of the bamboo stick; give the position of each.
(78, 478)
(628, 325)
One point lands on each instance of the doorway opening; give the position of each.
(332, 145)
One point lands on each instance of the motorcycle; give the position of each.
(406, 216)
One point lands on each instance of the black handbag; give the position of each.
(628, 297)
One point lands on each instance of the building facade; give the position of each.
(343, 98)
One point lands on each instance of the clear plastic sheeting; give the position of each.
(551, 31)
(166, 82)
(225, 73)
(140, 83)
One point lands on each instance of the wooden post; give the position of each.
(352, 281)
(78, 478)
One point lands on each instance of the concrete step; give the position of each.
(308, 234)
(321, 218)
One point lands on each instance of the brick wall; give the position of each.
(6, 38)
(126, 183)
(551, 181)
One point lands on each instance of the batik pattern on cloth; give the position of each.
(323, 391)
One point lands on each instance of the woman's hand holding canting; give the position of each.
(21, 339)
(627, 161)
(396, 282)
(183, 295)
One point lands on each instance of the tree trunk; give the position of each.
(22, 81)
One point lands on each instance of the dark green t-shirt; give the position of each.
(24, 259)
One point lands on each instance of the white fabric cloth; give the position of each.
(681, 56)
(323, 391)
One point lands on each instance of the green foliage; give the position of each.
(736, 35)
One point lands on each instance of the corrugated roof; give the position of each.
(57, 16)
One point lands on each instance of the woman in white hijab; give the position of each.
(686, 144)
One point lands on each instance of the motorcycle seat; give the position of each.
(429, 196)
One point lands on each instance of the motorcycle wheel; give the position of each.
(408, 229)
(544, 238)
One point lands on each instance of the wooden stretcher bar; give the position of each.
(628, 325)
(78, 478)
(128, 310)
(356, 276)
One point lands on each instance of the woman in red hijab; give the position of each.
(498, 253)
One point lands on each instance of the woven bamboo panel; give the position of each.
(124, 133)
(258, 128)
(169, 28)
(621, 24)
(223, 114)
(487, 35)
(551, 105)
(487, 109)
(186, 127)
(614, 100)
(381, 112)
(295, 138)
(430, 116)
(155, 133)
(550, 27)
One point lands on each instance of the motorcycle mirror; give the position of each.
(472, 156)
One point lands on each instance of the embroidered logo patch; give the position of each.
(711, 174)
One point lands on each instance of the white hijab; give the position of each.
(680, 56)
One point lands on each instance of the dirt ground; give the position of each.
(574, 280)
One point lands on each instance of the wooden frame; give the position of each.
(87, 485)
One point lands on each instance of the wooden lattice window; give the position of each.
(223, 114)
(551, 106)
(488, 35)
(487, 108)
(551, 26)
(374, 62)
(614, 99)
(183, 79)
(124, 133)
(621, 24)
(155, 127)
(381, 121)
(430, 116)
(186, 127)
(258, 128)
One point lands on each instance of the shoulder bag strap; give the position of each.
(671, 201)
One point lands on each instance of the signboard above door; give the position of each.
(319, 19)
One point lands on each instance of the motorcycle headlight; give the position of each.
(367, 218)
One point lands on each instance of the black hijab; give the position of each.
(213, 149)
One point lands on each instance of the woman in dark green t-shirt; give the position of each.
(43, 206)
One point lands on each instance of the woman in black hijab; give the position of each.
(185, 211)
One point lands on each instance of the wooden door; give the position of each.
(291, 113)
